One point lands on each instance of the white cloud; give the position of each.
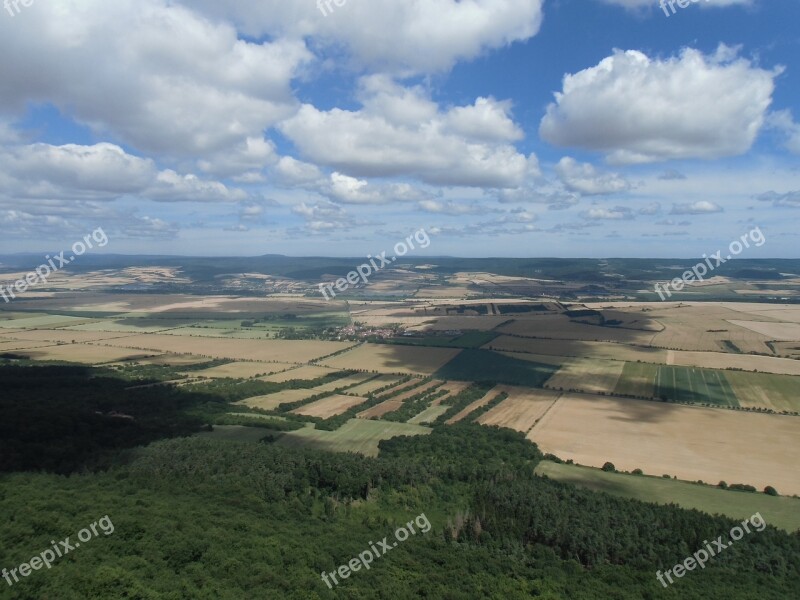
(154, 74)
(640, 4)
(400, 132)
(387, 35)
(618, 213)
(100, 172)
(587, 180)
(637, 109)
(701, 207)
(784, 122)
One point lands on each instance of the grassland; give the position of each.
(781, 512)
(357, 435)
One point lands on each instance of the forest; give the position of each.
(203, 518)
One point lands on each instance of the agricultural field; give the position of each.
(302, 372)
(748, 362)
(759, 390)
(373, 384)
(272, 401)
(483, 365)
(482, 401)
(782, 512)
(29, 322)
(588, 375)
(521, 410)
(562, 327)
(357, 435)
(330, 406)
(679, 384)
(83, 353)
(579, 349)
(689, 442)
(281, 351)
(430, 414)
(67, 336)
(242, 370)
(782, 332)
(377, 411)
(385, 358)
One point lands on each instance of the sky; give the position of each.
(503, 128)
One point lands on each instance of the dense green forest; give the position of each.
(201, 518)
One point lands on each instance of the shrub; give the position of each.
(771, 491)
(609, 467)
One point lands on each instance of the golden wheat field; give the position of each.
(393, 359)
(330, 406)
(692, 443)
(521, 409)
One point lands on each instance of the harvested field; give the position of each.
(373, 384)
(241, 370)
(283, 351)
(330, 406)
(546, 359)
(418, 390)
(84, 353)
(488, 397)
(303, 373)
(572, 348)
(392, 358)
(561, 327)
(521, 409)
(592, 375)
(61, 335)
(745, 362)
(783, 332)
(381, 409)
(357, 435)
(272, 401)
(759, 390)
(692, 443)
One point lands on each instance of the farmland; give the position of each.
(392, 359)
(357, 435)
(688, 442)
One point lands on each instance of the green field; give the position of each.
(679, 384)
(40, 320)
(485, 365)
(777, 392)
(782, 512)
(357, 435)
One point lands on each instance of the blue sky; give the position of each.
(576, 128)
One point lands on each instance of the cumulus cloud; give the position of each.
(585, 179)
(636, 109)
(100, 172)
(401, 132)
(701, 207)
(784, 122)
(386, 35)
(617, 213)
(150, 72)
